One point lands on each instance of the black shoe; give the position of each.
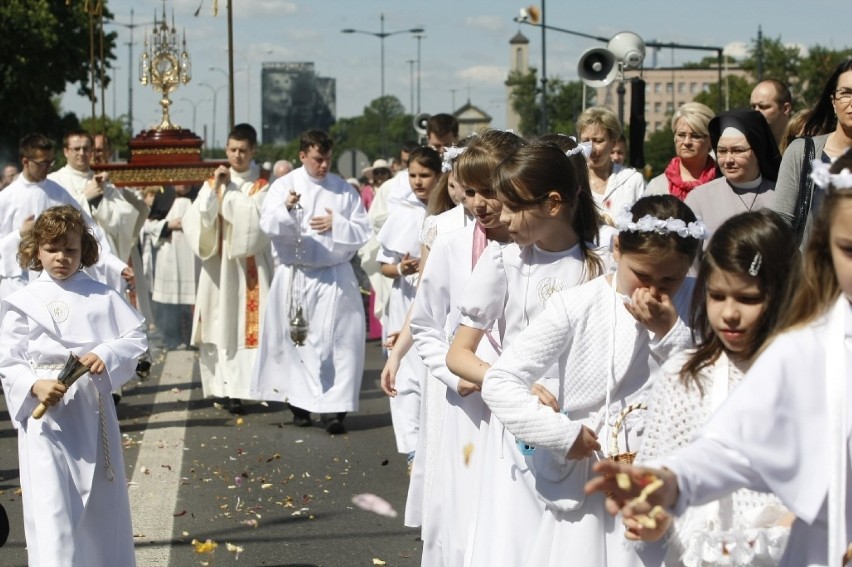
(333, 423)
(116, 398)
(235, 407)
(300, 421)
(4, 526)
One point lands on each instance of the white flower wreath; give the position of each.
(649, 223)
(450, 155)
(822, 177)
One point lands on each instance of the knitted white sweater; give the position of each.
(738, 529)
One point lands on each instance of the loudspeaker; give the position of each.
(597, 67)
(419, 123)
(637, 123)
(627, 48)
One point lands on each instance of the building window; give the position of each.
(647, 108)
(669, 88)
(669, 108)
(658, 107)
(705, 87)
(658, 126)
(693, 88)
(681, 88)
(658, 88)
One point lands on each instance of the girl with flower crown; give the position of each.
(744, 282)
(786, 428)
(554, 223)
(607, 339)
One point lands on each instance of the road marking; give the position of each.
(156, 478)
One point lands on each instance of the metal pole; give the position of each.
(382, 99)
(130, 78)
(544, 128)
(230, 67)
(411, 63)
(419, 37)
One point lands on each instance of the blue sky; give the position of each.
(464, 53)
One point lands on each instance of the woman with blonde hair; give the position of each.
(613, 185)
(692, 165)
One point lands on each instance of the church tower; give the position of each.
(519, 61)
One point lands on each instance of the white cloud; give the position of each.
(490, 23)
(483, 74)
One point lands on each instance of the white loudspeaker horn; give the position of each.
(628, 48)
(419, 123)
(597, 67)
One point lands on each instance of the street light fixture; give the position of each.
(194, 104)
(382, 34)
(215, 91)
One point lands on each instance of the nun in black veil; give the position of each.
(748, 158)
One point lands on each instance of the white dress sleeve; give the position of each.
(485, 295)
(506, 388)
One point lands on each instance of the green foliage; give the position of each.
(814, 71)
(45, 46)
(659, 149)
(736, 93)
(779, 61)
(564, 102)
(364, 132)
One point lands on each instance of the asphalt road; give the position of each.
(264, 491)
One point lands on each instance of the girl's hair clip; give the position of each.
(649, 223)
(450, 155)
(822, 177)
(584, 147)
(754, 269)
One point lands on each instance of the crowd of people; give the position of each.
(547, 316)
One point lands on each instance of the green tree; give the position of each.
(814, 70)
(45, 46)
(564, 102)
(736, 93)
(659, 148)
(776, 60)
(364, 132)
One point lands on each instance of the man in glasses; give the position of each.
(96, 195)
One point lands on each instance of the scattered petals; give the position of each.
(377, 561)
(240, 421)
(236, 549)
(468, 451)
(374, 504)
(179, 514)
(202, 547)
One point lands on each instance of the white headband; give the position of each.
(648, 223)
(823, 177)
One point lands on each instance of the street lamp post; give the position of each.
(411, 63)
(418, 37)
(131, 26)
(215, 91)
(382, 34)
(194, 104)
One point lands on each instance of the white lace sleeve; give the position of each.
(429, 231)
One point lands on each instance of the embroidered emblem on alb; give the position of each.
(547, 287)
(58, 310)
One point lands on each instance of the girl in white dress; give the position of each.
(608, 340)
(553, 221)
(399, 258)
(744, 282)
(785, 429)
(76, 507)
(447, 502)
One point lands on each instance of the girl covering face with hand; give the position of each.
(607, 340)
(744, 282)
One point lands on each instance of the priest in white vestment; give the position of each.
(27, 197)
(96, 195)
(314, 242)
(223, 228)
